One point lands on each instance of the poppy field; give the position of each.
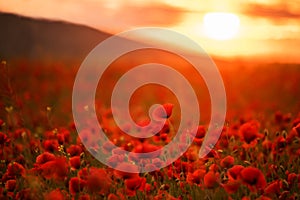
(256, 157)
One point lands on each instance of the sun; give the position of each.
(221, 25)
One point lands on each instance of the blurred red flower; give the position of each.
(84, 197)
(74, 150)
(196, 177)
(231, 186)
(55, 169)
(227, 162)
(211, 179)
(249, 131)
(164, 112)
(76, 185)
(234, 172)
(201, 131)
(55, 195)
(126, 167)
(98, 181)
(51, 145)
(15, 169)
(273, 188)
(10, 185)
(253, 178)
(44, 157)
(112, 196)
(75, 162)
(134, 184)
(3, 138)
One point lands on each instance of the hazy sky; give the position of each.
(270, 27)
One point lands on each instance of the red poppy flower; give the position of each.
(231, 186)
(84, 197)
(115, 159)
(211, 179)
(21, 133)
(83, 173)
(44, 157)
(134, 184)
(124, 174)
(201, 131)
(15, 169)
(60, 139)
(3, 138)
(253, 178)
(76, 185)
(112, 197)
(214, 168)
(267, 145)
(165, 128)
(234, 172)
(249, 131)
(278, 117)
(65, 135)
(98, 181)
(74, 150)
(55, 195)
(196, 176)
(293, 179)
(108, 146)
(118, 196)
(164, 195)
(227, 162)
(51, 145)
(10, 185)
(75, 162)
(56, 169)
(164, 111)
(273, 188)
(26, 194)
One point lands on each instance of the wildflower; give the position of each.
(55, 195)
(74, 150)
(124, 174)
(10, 185)
(84, 197)
(253, 178)
(231, 186)
(249, 131)
(134, 184)
(98, 181)
(3, 138)
(15, 169)
(163, 111)
(75, 162)
(196, 176)
(76, 185)
(26, 194)
(211, 179)
(234, 172)
(227, 162)
(56, 169)
(273, 188)
(112, 196)
(51, 145)
(201, 131)
(44, 157)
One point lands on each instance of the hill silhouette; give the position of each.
(41, 40)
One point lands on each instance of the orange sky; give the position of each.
(267, 27)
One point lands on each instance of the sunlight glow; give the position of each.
(220, 25)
